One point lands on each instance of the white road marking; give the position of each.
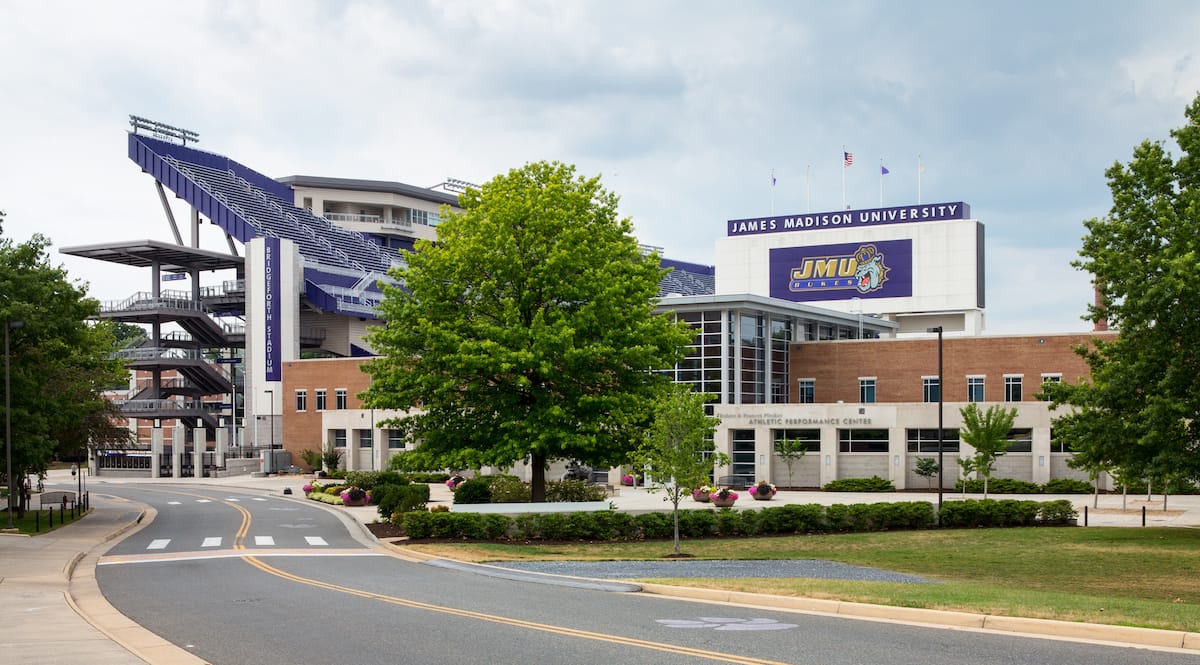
(232, 498)
(315, 540)
(227, 554)
(727, 623)
(211, 542)
(257, 498)
(264, 541)
(203, 501)
(158, 544)
(174, 503)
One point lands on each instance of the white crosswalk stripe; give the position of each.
(158, 544)
(264, 541)
(174, 503)
(257, 498)
(203, 501)
(211, 542)
(232, 498)
(315, 540)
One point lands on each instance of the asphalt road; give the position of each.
(287, 583)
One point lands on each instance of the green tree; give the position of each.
(60, 363)
(986, 432)
(526, 332)
(927, 468)
(678, 449)
(791, 451)
(1140, 408)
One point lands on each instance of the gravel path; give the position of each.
(625, 570)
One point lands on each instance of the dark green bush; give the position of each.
(1067, 486)
(698, 523)
(1056, 512)
(574, 490)
(1175, 486)
(421, 477)
(475, 490)
(402, 498)
(872, 484)
(729, 522)
(999, 486)
(656, 525)
(369, 480)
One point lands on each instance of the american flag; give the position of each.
(848, 160)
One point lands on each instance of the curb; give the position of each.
(1122, 635)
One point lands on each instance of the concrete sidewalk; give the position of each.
(47, 583)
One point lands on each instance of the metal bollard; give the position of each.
(1143, 516)
(1085, 515)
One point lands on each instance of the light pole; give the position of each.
(8, 325)
(941, 392)
(271, 441)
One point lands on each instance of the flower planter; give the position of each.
(724, 503)
(762, 497)
(700, 497)
(352, 503)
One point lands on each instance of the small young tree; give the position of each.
(677, 447)
(986, 432)
(968, 467)
(791, 451)
(927, 468)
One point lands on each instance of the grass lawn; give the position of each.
(36, 522)
(1127, 576)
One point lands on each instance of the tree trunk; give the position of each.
(537, 482)
(676, 512)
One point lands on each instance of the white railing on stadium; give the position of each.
(146, 300)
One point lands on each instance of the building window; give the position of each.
(810, 439)
(862, 440)
(1020, 440)
(339, 438)
(866, 390)
(1057, 445)
(1048, 378)
(340, 396)
(931, 389)
(806, 392)
(743, 457)
(975, 389)
(1012, 388)
(366, 438)
(395, 439)
(301, 400)
(320, 399)
(925, 440)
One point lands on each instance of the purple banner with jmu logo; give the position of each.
(878, 269)
(842, 219)
(271, 294)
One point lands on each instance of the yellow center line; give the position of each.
(239, 544)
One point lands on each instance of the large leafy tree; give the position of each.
(60, 363)
(526, 332)
(679, 449)
(1139, 412)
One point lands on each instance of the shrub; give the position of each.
(400, 498)
(311, 458)
(999, 486)
(440, 508)
(331, 499)
(574, 490)
(417, 477)
(657, 525)
(872, 484)
(1067, 486)
(697, 523)
(331, 459)
(335, 489)
(503, 488)
(1056, 512)
(473, 491)
(369, 480)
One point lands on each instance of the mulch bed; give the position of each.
(383, 530)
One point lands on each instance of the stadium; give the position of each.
(859, 332)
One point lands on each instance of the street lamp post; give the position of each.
(941, 391)
(271, 441)
(8, 325)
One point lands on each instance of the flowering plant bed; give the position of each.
(762, 491)
(700, 494)
(723, 498)
(354, 496)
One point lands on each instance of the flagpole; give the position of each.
(920, 170)
(880, 182)
(843, 176)
(772, 192)
(808, 187)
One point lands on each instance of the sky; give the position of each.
(685, 108)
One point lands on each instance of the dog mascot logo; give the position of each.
(864, 271)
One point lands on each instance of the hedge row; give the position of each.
(1014, 486)
(781, 520)
(612, 525)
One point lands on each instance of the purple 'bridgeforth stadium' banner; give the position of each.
(877, 269)
(271, 284)
(844, 219)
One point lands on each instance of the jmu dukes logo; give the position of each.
(864, 271)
